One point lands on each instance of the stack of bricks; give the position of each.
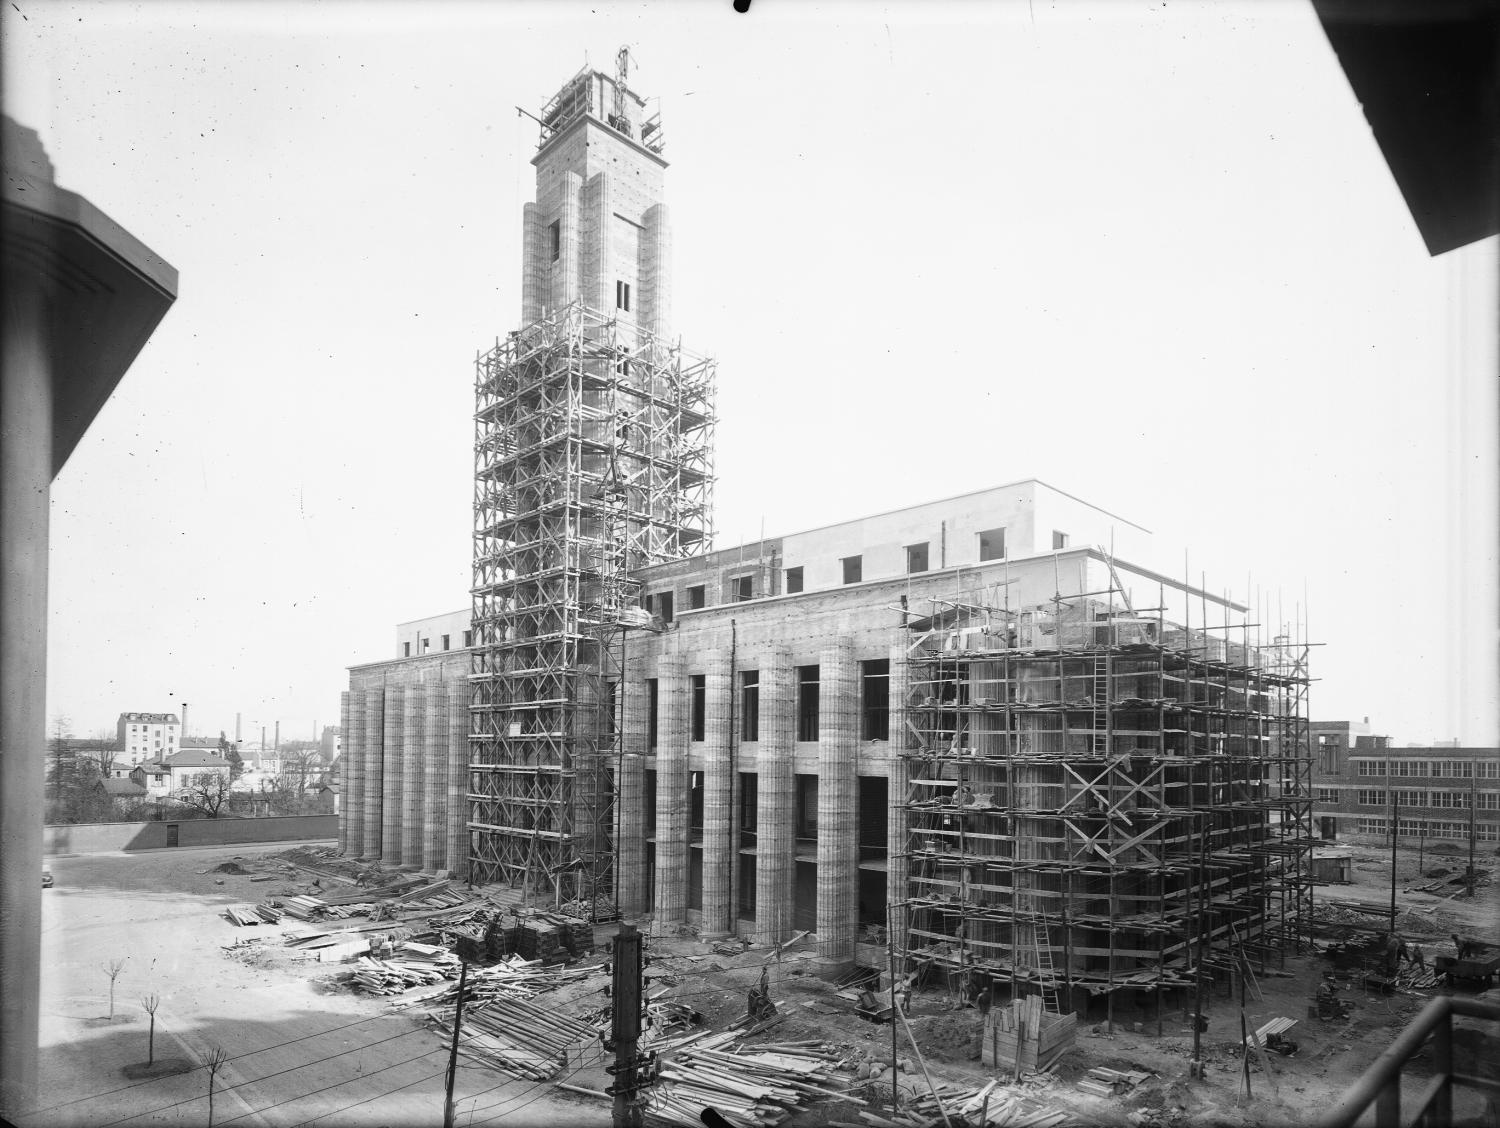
(577, 937)
(540, 941)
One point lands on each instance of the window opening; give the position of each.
(992, 544)
(875, 685)
(807, 702)
(916, 558)
(750, 705)
(794, 580)
(853, 568)
(700, 704)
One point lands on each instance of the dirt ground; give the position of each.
(298, 1050)
(303, 1047)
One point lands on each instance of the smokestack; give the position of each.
(184, 724)
(236, 728)
(277, 746)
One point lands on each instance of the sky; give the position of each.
(1146, 252)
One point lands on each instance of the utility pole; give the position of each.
(625, 1026)
(458, 1018)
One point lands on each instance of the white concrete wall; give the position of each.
(453, 624)
(1028, 511)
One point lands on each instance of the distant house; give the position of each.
(122, 792)
(191, 764)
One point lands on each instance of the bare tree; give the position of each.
(207, 792)
(213, 1060)
(150, 1003)
(113, 968)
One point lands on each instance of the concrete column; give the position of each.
(536, 258)
(630, 873)
(596, 283)
(565, 270)
(590, 797)
(354, 775)
(656, 272)
(374, 774)
(391, 781)
(456, 846)
(838, 806)
(413, 763)
(435, 779)
(776, 801)
(718, 796)
(674, 701)
(898, 776)
(25, 486)
(630, 801)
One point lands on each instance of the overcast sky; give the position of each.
(1148, 253)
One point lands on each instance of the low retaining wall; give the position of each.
(101, 838)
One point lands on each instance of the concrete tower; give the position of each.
(594, 458)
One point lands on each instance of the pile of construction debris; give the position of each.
(993, 1105)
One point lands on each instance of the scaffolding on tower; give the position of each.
(593, 458)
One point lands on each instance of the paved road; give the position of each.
(297, 1055)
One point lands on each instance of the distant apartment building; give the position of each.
(189, 765)
(1437, 792)
(147, 736)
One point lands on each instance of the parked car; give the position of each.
(46, 879)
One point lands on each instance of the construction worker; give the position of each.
(1418, 957)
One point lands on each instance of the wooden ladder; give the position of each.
(1046, 975)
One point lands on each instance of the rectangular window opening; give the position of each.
(750, 705)
(916, 558)
(700, 704)
(853, 568)
(742, 588)
(406, 650)
(807, 702)
(696, 596)
(794, 580)
(622, 295)
(664, 606)
(807, 806)
(554, 236)
(468, 638)
(652, 716)
(992, 544)
(447, 640)
(875, 685)
(1059, 539)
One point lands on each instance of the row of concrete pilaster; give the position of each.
(772, 759)
(405, 775)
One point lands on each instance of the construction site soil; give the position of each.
(305, 1041)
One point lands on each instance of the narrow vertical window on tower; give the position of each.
(622, 295)
(554, 237)
(700, 704)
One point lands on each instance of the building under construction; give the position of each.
(961, 728)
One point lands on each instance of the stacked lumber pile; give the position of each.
(988, 1107)
(513, 1036)
(577, 937)
(759, 1086)
(513, 978)
(254, 914)
(1025, 1038)
(540, 940)
(1110, 1082)
(414, 965)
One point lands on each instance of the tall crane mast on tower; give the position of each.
(619, 119)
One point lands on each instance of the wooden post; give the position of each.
(458, 1018)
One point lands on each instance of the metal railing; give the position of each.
(1380, 1085)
